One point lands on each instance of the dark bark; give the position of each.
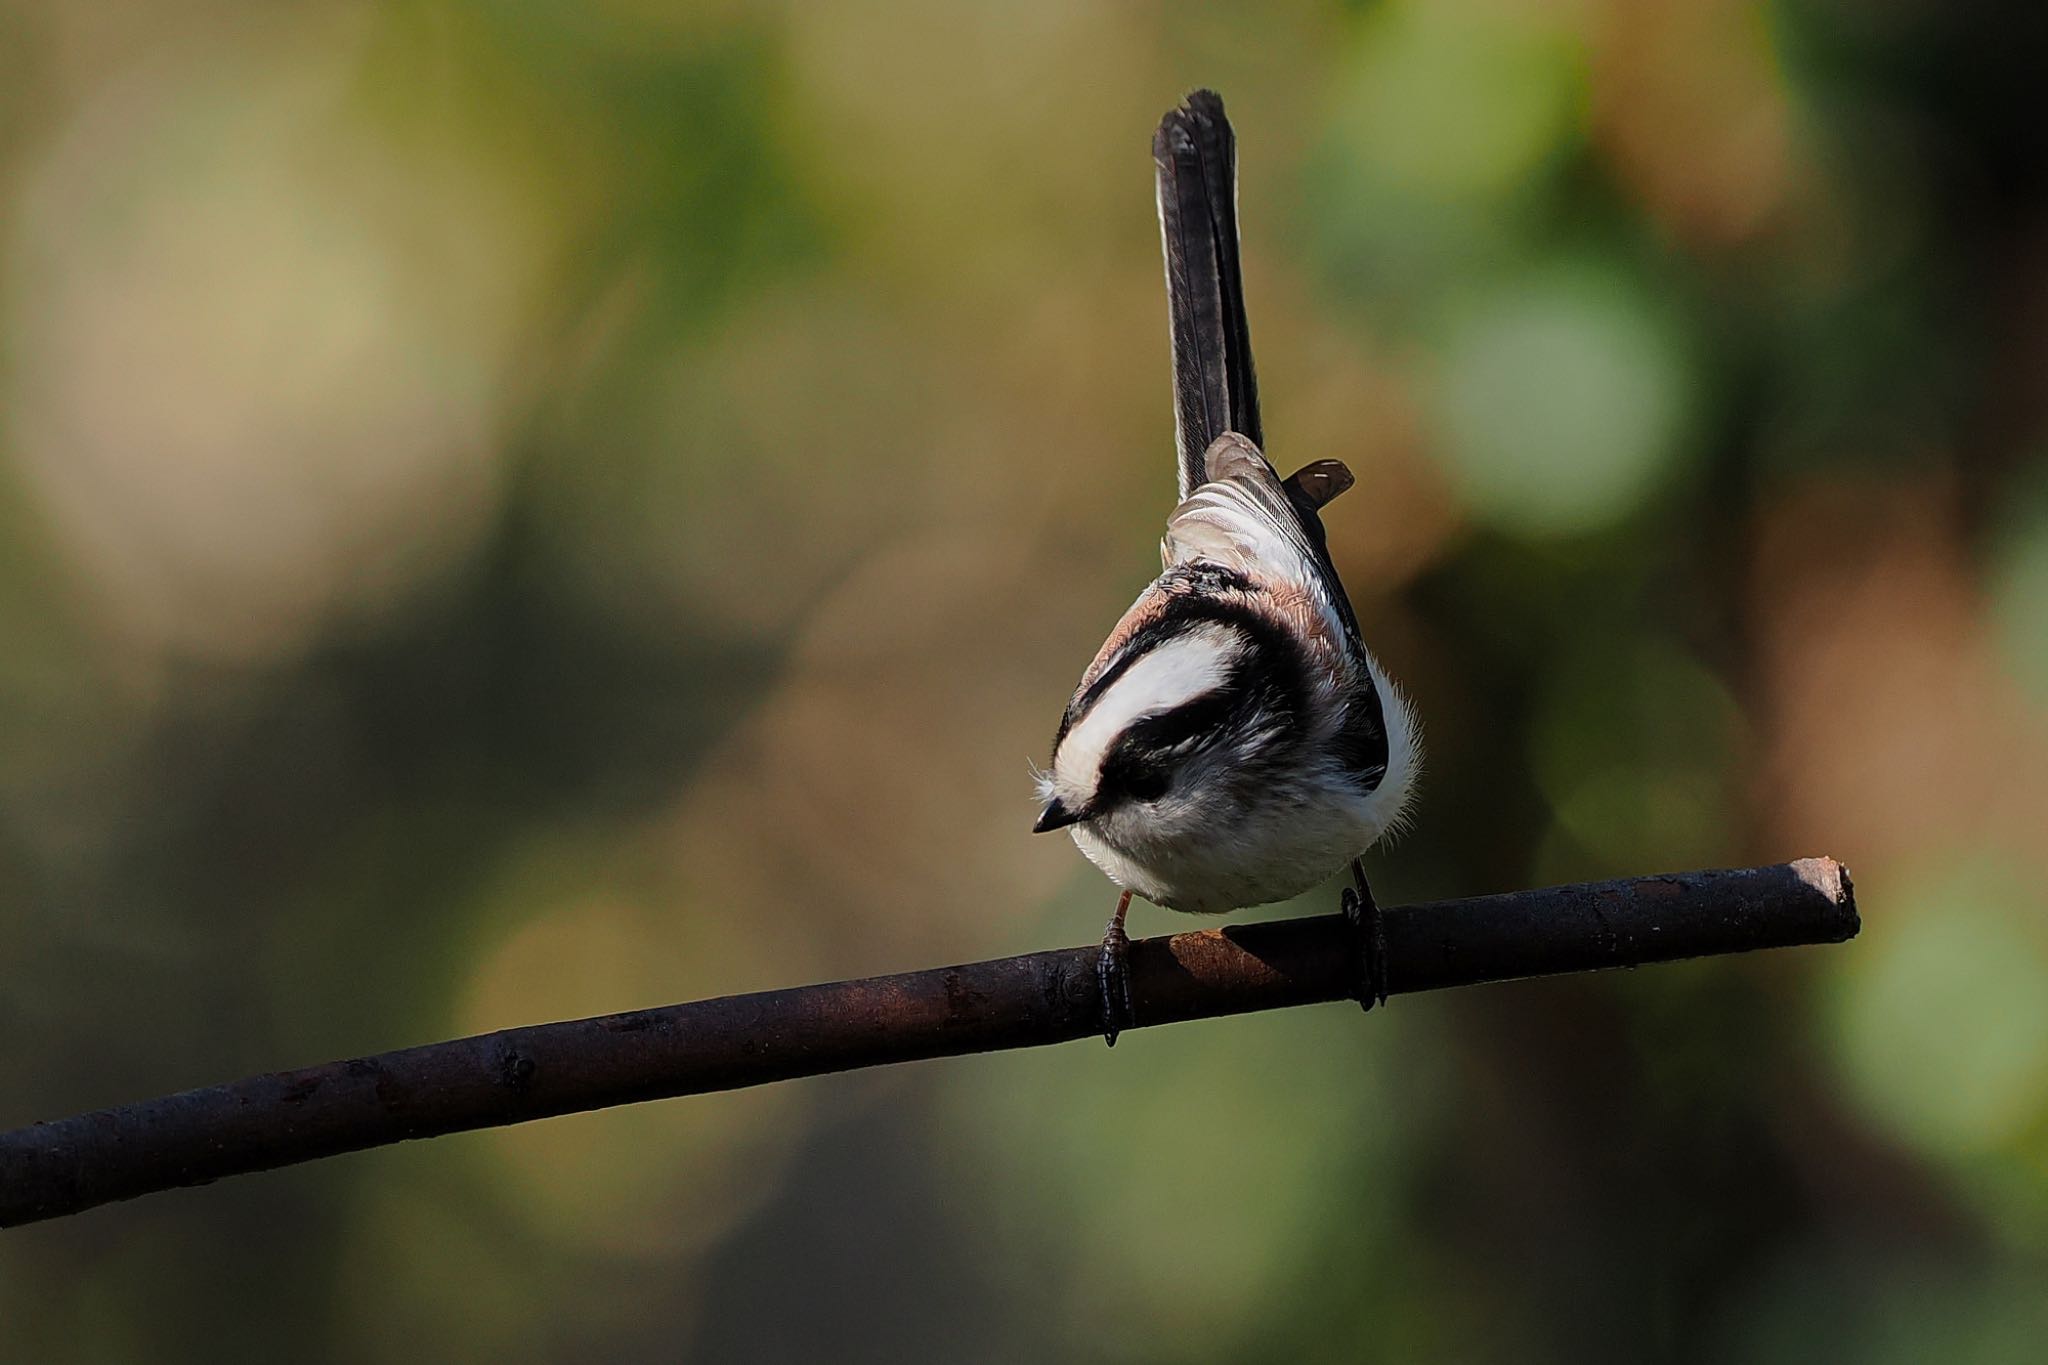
(51, 1169)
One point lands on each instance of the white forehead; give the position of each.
(1171, 673)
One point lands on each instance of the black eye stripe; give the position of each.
(1192, 720)
(1268, 680)
(1192, 597)
(1143, 762)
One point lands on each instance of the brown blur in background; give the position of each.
(514, 511)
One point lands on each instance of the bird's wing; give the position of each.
(1243, 517)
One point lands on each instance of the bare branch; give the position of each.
(51, 1169)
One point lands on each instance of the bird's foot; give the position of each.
(1113, 975)
(1369, 933)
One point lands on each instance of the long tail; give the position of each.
(1214, 389)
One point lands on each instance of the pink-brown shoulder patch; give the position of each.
(1148, 608)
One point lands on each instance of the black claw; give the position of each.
(1369, 932)
(1113, 976)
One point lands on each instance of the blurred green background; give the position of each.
(511, 511)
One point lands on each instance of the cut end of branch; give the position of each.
(1832, 880)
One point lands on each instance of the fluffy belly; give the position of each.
(1255, 861)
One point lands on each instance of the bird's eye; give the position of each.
(1134, 773)
(1148, 782)
(1142, 765)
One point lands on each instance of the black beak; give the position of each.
(1054, 816)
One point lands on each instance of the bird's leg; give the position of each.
(1113, 974)
(1369, 931)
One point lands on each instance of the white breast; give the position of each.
(1267, 853)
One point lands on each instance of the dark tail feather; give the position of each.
(1214, 389)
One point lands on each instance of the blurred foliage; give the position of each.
(514, 511)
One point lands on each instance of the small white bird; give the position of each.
(1233, 743)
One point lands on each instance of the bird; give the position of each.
(1233, 743)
